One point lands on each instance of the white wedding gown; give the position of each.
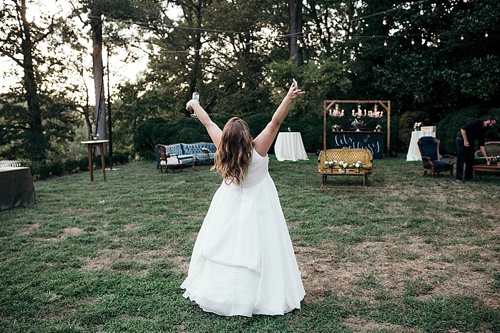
(243, 261)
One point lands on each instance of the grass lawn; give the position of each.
(409, 254)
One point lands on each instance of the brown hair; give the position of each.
(234, 152)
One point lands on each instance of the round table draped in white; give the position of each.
(413, 152)
(289, 146)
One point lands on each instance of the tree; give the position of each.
(295, 7)
(33, 121)
(216, 49)
(36, 143)
(119, 13)
(437, 56)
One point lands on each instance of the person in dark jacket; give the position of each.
(474, 129)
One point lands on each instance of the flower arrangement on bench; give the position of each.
(343, 166)
(357, 165)
(330, 164)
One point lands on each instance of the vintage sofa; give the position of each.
(348, 155)
(180, 155)
(492, 149)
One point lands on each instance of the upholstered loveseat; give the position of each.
(185, 154)
(492, 149)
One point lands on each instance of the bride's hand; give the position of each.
(189, 105)
(294, 92)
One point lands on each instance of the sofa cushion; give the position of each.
(204, 159)
(438, 165)
(186, 159)
(349, 155)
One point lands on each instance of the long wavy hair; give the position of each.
(234, 152)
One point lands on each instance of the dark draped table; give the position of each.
(16, 187)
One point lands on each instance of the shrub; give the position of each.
(71, 166)
(83, 164)
(40, 170)
(56, 168)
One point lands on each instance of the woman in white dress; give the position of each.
(243, 261)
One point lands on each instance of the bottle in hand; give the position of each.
(196, 96)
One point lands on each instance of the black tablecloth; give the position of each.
(16, 187)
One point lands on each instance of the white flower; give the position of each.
(343, 164)
(330, 164)
(358, 164)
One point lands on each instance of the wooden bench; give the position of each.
(348, 155)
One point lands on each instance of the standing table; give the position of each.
(91, 144)
(289, 146)
(413, 152)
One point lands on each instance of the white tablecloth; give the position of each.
(289, 146)
(413, 152)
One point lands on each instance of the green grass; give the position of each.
(409, 254)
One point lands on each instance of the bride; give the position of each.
(243, 261)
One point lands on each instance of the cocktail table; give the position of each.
(480, 168)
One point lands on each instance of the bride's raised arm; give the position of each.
(265, 139)
(213, 130)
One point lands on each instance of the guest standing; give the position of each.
(474, 129)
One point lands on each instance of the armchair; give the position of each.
(167, 160)
(431, 158)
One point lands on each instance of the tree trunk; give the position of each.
(196, 64)
(197, 47)
(295, 8)
(36, 143)
(98, 72)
